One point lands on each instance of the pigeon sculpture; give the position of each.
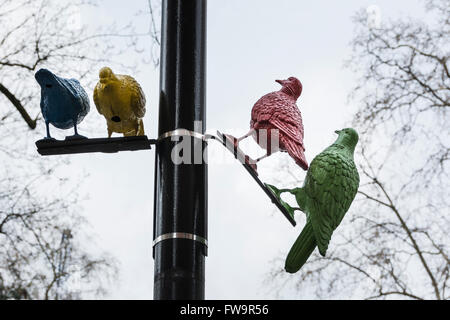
(64, 103)
(278, 111)
(120, 99)
(330, 186)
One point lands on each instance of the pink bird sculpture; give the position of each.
(278, 111)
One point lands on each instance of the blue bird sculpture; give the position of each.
(64, 103)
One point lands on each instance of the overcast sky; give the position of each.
(250, 44)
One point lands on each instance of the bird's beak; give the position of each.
(337, 132)
(282, 82)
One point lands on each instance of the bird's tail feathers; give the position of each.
(297, 152)
(301, 250)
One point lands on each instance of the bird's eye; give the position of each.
(48, 85)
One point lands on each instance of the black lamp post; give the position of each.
(180, 220)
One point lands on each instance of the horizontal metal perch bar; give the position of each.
(105, 145)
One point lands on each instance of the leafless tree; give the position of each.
(42, 236)
(42, 241)
(394, 241)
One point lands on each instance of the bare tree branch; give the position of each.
(16, 103)
(395, 242)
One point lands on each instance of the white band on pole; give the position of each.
(180, 235)
(185, 133)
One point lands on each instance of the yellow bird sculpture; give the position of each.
(120, 99)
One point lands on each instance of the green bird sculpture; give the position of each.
(329, 189)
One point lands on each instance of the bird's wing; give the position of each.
(69, 85)
(330, 187)
(80, 94)
(282, 113)
(137, 97)
(76, 91)
(97, 101)
(350, 185)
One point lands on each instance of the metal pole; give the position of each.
(180, 217)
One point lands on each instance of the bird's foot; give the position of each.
(277, 193)
(47, 140)
(76, 137)
(289, 209)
